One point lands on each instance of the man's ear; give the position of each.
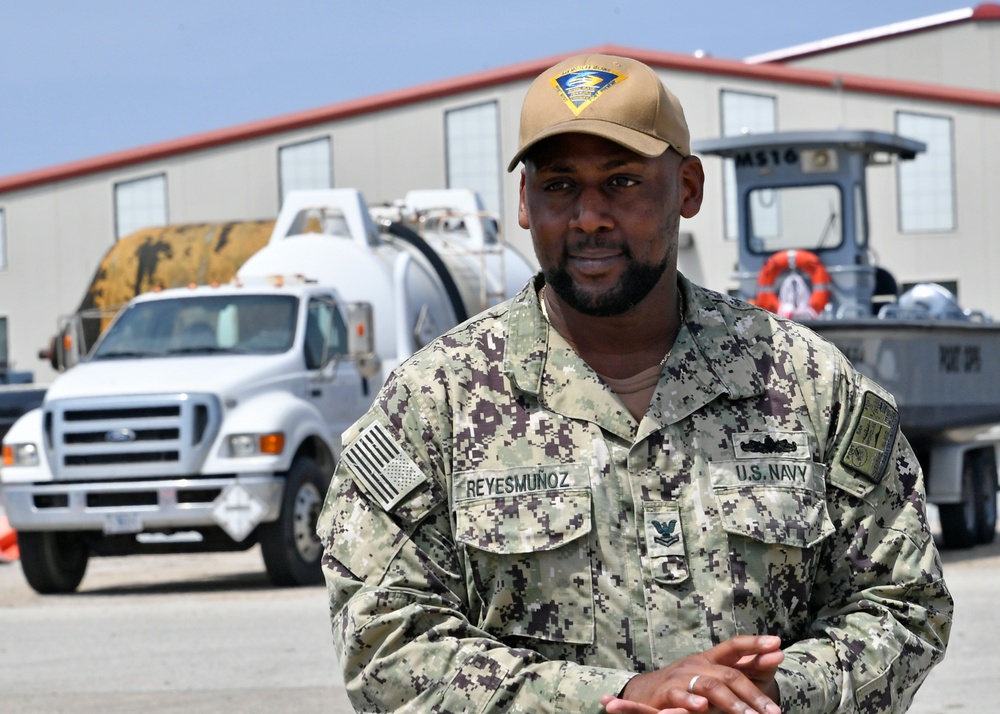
(692, 179)
(522, 209)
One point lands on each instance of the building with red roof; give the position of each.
(936, 79)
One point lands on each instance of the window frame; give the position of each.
(905, 171)
(118, 208)
(334, 343)
(327, 140)
(492, 197)
(3, 238)
(730, 201)
(4, 342)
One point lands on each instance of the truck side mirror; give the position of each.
(49, 354)
(60, 353)
(64, 349)
(361, 338)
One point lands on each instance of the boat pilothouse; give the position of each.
(804, 253)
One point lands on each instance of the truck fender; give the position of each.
(27, 429)
(944, 477)
(269, 412)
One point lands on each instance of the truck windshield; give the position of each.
(804, 217)
(223, 324)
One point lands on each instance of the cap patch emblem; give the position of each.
(580, 86)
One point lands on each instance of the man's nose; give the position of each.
(592, 212)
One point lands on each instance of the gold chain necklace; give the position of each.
(541, 302)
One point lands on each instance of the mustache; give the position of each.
(592, 241)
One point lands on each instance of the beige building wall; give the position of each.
(965, 54)
(966, 255)
(57, 232)
(56, 236)
(237, 182)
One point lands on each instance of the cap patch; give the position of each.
(580, 86)
(388, 474)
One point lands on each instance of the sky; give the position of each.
(82, 78)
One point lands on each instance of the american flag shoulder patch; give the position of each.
(385, 472)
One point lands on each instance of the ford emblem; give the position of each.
(120, 436)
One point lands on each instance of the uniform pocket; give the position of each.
(775, 516)
(774, 503)
(529, 562)
(776, 519)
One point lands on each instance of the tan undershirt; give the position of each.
(636, 391)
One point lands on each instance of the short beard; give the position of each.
(637, 282)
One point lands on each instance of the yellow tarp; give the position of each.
(174, 256)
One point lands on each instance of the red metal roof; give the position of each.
(492, 78)
(983, 12)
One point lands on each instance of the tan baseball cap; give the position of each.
(616, 98)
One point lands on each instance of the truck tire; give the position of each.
(986, 497)
(290, 546)
(965, 524)
(53, 562)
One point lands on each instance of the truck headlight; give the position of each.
(241, 445)
(20, 455)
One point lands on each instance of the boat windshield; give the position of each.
(216, 324)
(799, 217)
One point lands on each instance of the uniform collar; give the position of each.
(527, 338)
(709, 358)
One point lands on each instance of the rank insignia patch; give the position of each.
(872, 438)
(664, 536)
(580, 86)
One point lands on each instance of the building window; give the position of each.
(4, 364)
(472, 137)
(927, 183)
(140, 203)
(3, 239)
(742, 113)
(305, 166)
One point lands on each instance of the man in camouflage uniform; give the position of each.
(620, 491)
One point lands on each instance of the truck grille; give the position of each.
(134, 436)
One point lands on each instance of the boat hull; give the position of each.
(945, 375)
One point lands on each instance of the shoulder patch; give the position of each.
(872, 438)
(387, 474)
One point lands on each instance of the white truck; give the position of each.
(209, 418)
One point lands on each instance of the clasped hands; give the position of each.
(735, 677)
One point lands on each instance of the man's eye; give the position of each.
(556, 185)
(623, 181)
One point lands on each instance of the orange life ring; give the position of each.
(802, 260)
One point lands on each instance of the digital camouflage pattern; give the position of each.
(502, 536)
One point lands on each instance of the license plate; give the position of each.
(118, 523)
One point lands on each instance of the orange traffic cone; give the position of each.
(8, 542)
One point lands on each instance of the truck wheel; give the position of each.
(974, 520)
(290, 546)
(986, 498)
(959, 521)
(53, 562)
